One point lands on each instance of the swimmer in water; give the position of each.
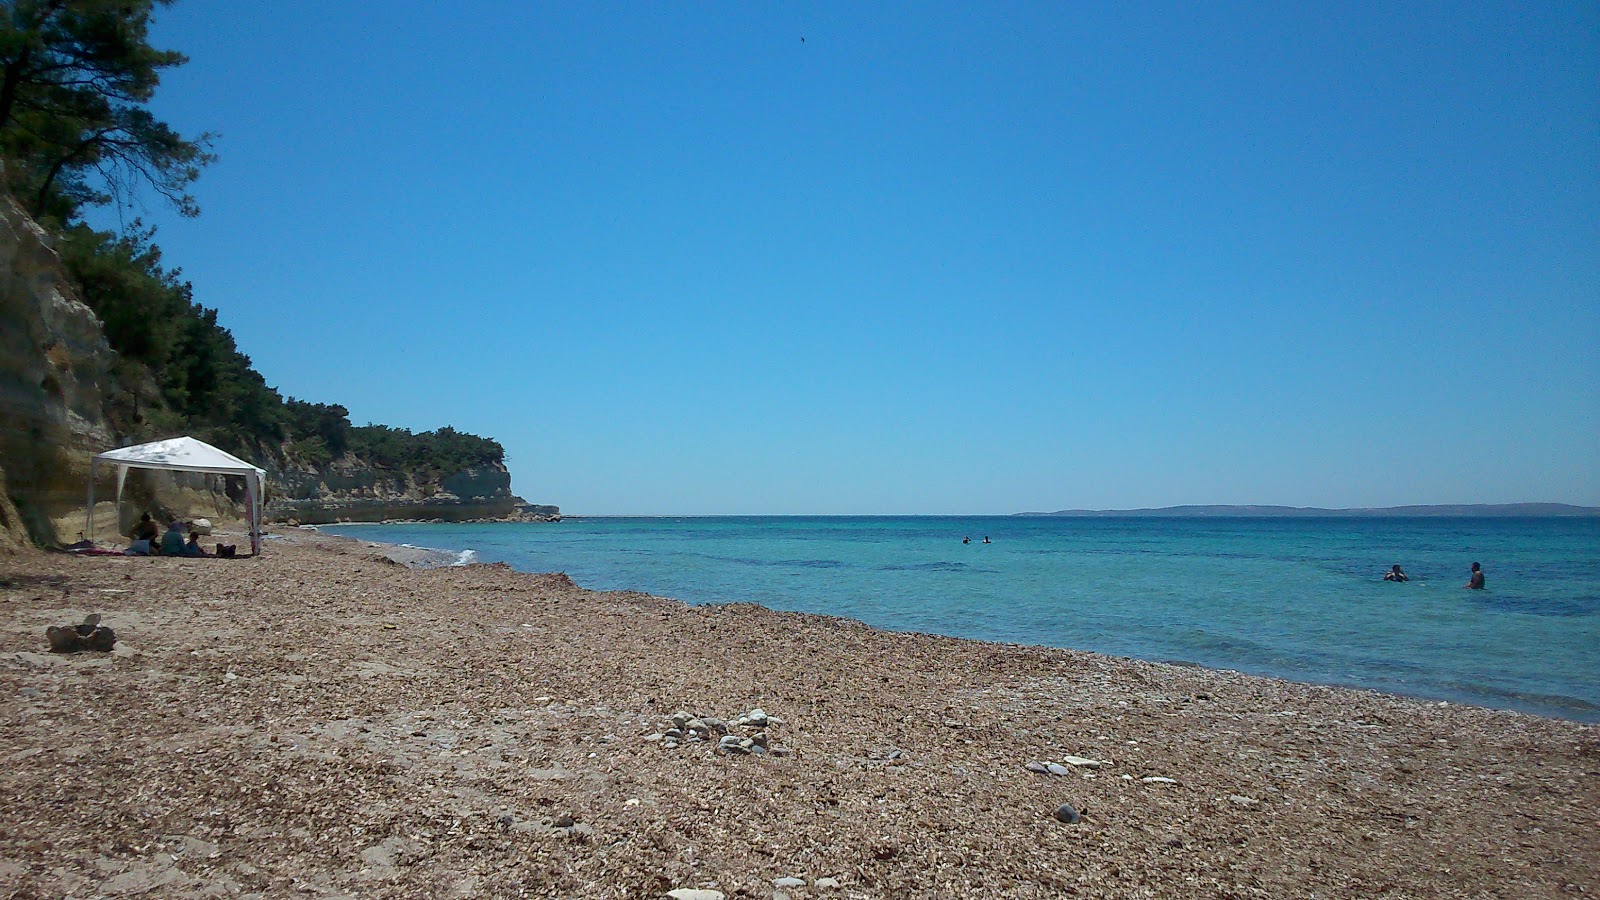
(1476, 582)
(1395, 574)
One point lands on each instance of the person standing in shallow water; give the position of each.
(1395, 574)
(1476, 583)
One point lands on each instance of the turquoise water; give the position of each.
(1296, 598)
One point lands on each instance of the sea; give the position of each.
(1302, 599)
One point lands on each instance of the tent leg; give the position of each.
(253, 512)
(88, 522)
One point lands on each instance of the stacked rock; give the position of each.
(91, 635)
(750, 738)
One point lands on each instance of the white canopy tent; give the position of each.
(184, 454)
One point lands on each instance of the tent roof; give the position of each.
(184, 454)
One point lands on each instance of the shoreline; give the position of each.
(323, 719)
(1565, 707)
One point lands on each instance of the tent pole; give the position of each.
(252, 484)
(122, 475)
(88, 524)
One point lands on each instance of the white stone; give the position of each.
(826, 883)
(1084, 762)
(695, 894)
(1158, 779)
(788, 881)
(1057, 769)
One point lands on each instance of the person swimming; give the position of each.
(1476, 582)
(1395, 574)
(986, 539)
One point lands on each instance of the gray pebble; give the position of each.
(1058, 769)
(1038, 768)
(1068, 813)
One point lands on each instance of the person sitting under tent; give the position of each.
(146, 529)
(193, 548)
(172, 541)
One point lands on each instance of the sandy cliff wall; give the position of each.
(351, 490)
(58, 378)
(54, 375)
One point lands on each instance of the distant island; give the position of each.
(1445, 510)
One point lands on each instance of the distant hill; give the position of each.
(1472, 510)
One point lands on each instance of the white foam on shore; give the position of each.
(435, 558)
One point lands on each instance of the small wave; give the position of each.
(435, 558)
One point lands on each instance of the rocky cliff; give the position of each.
(351, 490)
(66, 395)
(55, 372)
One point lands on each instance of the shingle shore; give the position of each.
(323, 722)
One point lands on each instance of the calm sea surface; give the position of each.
(1296, 598)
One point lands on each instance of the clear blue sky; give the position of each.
(932, 258)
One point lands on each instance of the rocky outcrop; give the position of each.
(350, 490)
(55, 370)
(60, 382)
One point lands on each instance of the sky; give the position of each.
(927, 258)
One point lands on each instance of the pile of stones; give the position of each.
(91, 635)
(745, 735)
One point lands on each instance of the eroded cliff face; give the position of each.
(59, 382)
(349, 490)
(55, 371)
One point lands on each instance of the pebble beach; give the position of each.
(328, 721)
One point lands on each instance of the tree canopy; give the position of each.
(75, 78)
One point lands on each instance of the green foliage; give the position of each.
(75, 76)
(328, 424)
(439, 452)
(152, 320)
(202, 384)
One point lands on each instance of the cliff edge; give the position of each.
(66, 393)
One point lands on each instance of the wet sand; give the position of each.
(324, 721)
